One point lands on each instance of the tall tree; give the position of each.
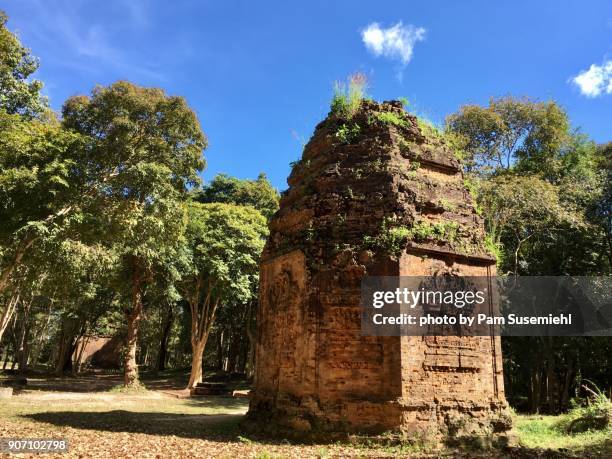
(18, 94)
(145, 150)
(224, 242)
(40, 186)
(237, 322)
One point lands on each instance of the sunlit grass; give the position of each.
(543, 432)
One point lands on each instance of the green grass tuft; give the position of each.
(347, 97)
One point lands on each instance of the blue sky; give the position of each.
(260, 74)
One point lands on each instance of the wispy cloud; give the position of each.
(395, 42)
(86, 46)
(595, 81)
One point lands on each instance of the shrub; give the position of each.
(391, 118)
(441, 231)
(390, 239)
(348, 133)
(495, 248)
(596, 415)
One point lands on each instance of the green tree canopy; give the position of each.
(508, 131)
(523, 213)
(545, 196)
(40, 183)
(258, 193)
(18, 94)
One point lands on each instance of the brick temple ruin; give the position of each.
(358, 181)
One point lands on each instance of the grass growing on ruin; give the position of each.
(428, 128)
(391, 118)
(439, 231)
(348, 96)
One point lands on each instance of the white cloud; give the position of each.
(596, 80)
(396, 42)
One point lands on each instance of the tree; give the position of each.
(545, 195)
(18, 95)
(509, 130)
(235, 327)
(224, 242)
(144, 149)
(258, 193)
(523, 209)
(40, 186)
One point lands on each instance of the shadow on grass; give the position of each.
(217, 427)
(227, 403)
(207, 426)
(80, 384)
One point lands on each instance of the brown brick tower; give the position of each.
(377, 194)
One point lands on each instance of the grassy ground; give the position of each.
(546, 432)
(154, 423)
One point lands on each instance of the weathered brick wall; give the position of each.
(314, 369)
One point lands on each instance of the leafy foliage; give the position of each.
(258, 193)
(40, 186)
(348, 133)
(223, 245)
(224, 242)
(509, 130)
(143, 150)
(545, 196)
(438, 231)
(18, 95)
(391, 118)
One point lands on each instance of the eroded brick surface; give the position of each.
(346, 214)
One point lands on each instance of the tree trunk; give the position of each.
(80, 345)
(5, 274)
(570, 376)
(233, 352)
(243, 354)
(202, 317)
(22, 344)
(220, 350)
(24, 352)
(196, 363)
(551, 383)
(64, 359)
(7, 314)
(251, 331)
(42, 337)
(131, 343)
(133, 316)
(6, 356)
(163, 342)
(66, 346)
